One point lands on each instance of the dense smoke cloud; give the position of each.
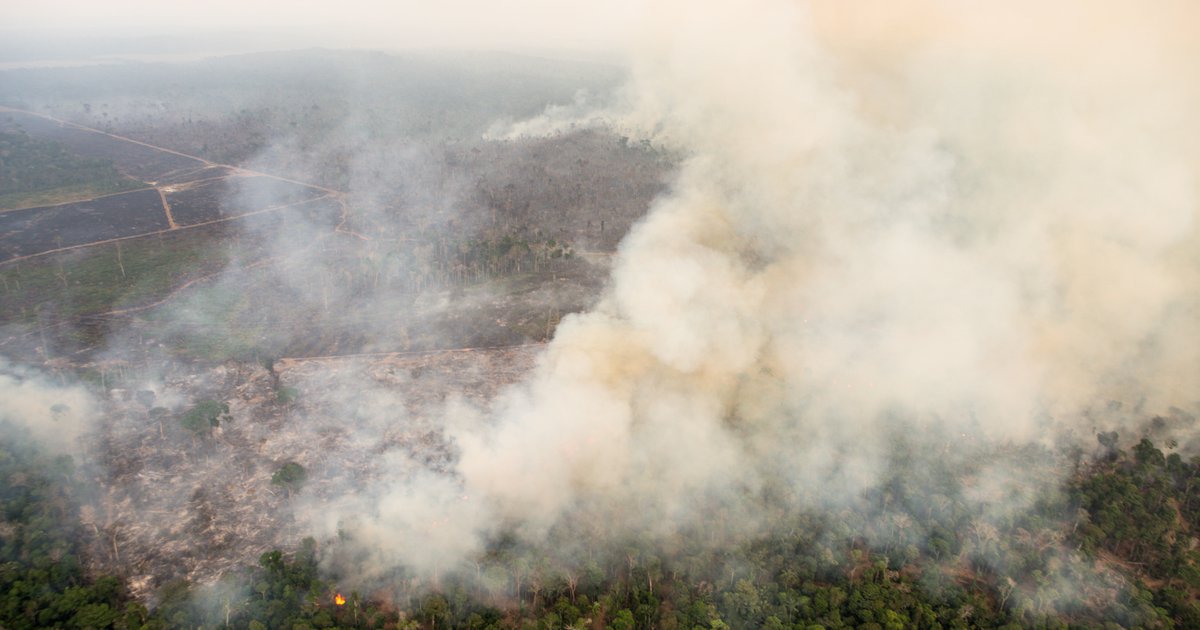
(953, 225)
(33, 404)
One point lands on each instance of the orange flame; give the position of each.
(338, 599)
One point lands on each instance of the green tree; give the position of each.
(290, 475)
(205, 416)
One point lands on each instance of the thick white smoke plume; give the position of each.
(970, 222)
(54, 414)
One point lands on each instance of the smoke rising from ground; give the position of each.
(926, 243)
(941, 225)
(54, 414)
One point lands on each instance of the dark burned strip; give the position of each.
(139, 161)
(33, 231)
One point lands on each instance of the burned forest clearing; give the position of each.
(774, 322)
(209, 494)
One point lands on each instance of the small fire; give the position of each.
(338, 599)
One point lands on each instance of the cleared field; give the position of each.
(166, 472)
(45, 228)
(187, 192)
(201, 173)
(65, 194)
(61, 303)
(135, 160)
(41, 172)
(234, 196)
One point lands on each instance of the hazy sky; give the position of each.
(575, 24)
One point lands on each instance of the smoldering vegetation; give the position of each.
(36, 407)
(864, 251)
(181, 499)
(909, 312)
(438, 240)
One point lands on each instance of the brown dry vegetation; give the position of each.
(169, 504)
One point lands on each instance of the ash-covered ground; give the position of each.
(171, 504)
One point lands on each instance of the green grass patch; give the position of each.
(36, 172)
(67, 194)
(106, 277)
(287, 395)
(217, 322)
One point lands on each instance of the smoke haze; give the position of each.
(131, 27)
(957, 227)
(933, 240)
(54, 414)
